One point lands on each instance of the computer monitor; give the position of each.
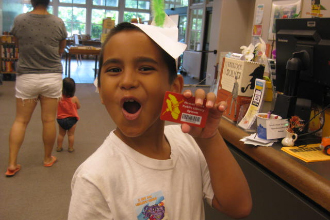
(311, 35)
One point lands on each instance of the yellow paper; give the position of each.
(308, 153)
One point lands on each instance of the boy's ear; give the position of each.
(177, 84)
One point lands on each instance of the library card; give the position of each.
(177, 108)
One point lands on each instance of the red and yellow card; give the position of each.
(177, 108)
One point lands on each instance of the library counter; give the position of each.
(308, 181)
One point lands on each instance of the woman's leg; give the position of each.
(48, 117)
(71, 136)
(60, 137)
(24, 110)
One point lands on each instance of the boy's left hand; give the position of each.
(215, 113)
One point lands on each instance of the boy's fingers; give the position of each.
(185, 128)
(210, 100)
(223, 106)
(199, 97)
(187, 93)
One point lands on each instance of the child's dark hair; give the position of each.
(170, 61)
(69, 87)
(40, 2)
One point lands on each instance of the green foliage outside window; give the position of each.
(74, 19)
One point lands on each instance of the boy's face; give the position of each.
(134, 79)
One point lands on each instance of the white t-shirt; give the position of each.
(117, 182)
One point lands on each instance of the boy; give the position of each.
(144, 169)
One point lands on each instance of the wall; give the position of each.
(10, 9)
(306, 7)
(1, 17)
(231, 28)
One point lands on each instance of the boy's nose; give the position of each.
(129, 80)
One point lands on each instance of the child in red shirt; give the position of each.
(67, 115)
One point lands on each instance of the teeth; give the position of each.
(131, 100)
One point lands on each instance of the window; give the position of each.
(97, 18)
(74, 13)
(111, 3)
(195, 29)
(175, 3)
(138, 4)
(182, 28)
(28, 7)
(73, 1)
(74, 19)
(128, 15)
(197, 1)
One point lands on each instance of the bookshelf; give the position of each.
(8, 55)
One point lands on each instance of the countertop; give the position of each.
(311, 179)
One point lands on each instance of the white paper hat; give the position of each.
(166, 37)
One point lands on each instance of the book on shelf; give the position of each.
(9, 51)
(7, 39)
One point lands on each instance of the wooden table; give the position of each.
(81, 51)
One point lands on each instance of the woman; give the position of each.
(41, 40)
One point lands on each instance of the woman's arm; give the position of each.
(62, 46)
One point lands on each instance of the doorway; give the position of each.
(206, 43)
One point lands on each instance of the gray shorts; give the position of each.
(32, 86)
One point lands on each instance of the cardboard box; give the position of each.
(233, 105)
(242, 72)
(236, 84)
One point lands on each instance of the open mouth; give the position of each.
(131, 106)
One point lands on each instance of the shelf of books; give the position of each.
(8, 55)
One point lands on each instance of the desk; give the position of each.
(81, 50)
(298, 189)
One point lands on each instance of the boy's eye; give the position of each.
(146, 68)
(114, 70)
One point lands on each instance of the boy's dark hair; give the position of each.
(69, 87)
(40, 2)
(170, 61)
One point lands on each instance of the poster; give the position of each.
(283, 9)
(259, 14)
(257, 29)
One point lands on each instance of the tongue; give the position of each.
(131, 107)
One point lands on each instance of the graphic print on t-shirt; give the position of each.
(151, 207)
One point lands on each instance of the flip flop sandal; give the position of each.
(70, 150)
(54, 159)
(11, 173)
(59, 149)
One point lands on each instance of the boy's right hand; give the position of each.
(215, 113)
